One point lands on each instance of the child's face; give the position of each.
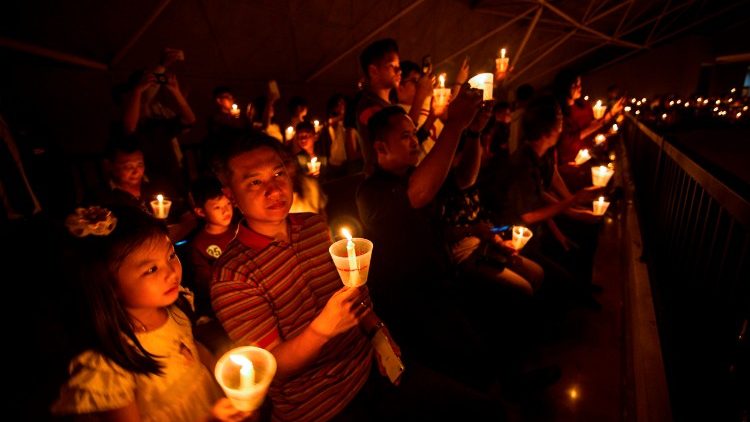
(218, 211)
(128, 168)
(149, 277)
(260, 186)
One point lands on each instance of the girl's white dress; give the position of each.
(185, 392)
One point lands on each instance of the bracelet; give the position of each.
(380, 324)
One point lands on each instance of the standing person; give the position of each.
(139, 361)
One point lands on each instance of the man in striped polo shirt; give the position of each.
(276, 287)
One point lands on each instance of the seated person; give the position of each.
(212, 240)
(276, 287)
(304, 150)
(127, 185)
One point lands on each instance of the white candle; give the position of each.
(247, 372)
(600, 175)
(289, 133)
(314, 165)
(235, 111)
(582, 157)
(441, 80)
(502, 62)
(599, 109)
(600, 206)
(615, 128)
(316, 123)
(440, 95)
(599, 139)
(351, 254)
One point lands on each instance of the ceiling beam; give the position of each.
(526, 37)
(51, 54)
(583, 27)
(487, 35)
(658, 20)
(541, 56)
(364, 40)
(139, 33)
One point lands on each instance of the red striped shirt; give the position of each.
(266, 291)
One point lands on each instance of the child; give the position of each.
(215, 208)
(140, 361)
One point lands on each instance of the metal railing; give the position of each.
(696, 234)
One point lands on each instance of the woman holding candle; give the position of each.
(579, 126)
(139, 360)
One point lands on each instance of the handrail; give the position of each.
(737, 206)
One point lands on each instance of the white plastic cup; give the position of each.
(521, 236)
(483, 81)
(363, 249)
(161, 209)
(600, 175)
(227, 373)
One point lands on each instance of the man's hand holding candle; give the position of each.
(342, 312)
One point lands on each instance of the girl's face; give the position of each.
(149, 277)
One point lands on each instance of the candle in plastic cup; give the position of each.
(582, 157)
(313, 166)
(502, 62)
(521, 236)
(235, 111)
(244, 373)
(289, 133)
(352, 263)
(599, 139)
(600, 175)
(161, 206)
(483, 81)
(599, 110)
(600, 206)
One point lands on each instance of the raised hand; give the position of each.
(464, 107)
(463, 72)
(342, 312)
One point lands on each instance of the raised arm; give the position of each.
(429, 176)
(186, 113)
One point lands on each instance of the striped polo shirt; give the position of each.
(266, 291)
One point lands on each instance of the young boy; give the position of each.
(216, 210)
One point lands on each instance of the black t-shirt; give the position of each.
(408, 255)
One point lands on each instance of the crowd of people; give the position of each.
(439, 192)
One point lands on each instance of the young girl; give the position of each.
(140, 361)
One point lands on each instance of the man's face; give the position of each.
(408, 88)
(260, 186)
(387, 73)
(128, 168)
(225, 101)
(556, 131)
(400, 147)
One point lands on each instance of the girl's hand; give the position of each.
(342, 312)
(224, 411)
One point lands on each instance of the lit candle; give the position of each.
(586, 98)
(637, 112)
(316, 123)
(483, 81)
(440, 95)
(351, 254)
(161, 206)
(313, 166)
(289, 133)
(235, 111)
(247, 372)
(679, 101)
(599, 139)
(671, 103)
(582, 157)
(615, 128)
(627, 108)
(502, 62)
(600, 206)
(599, 109)
(521, 236)
(664, 116)
(600, 175)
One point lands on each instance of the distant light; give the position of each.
(679, 101)
(627, 108)
(671, 103)
(633, 100)
(738, 115)
(687, 104)
(664, 116)
(730, 100)
(643, 99)
(700, 99)
(716, 109)
(586, 98)
(732, 90)
(573, 393)
(744, 108)
(637, 112)
(638, 103)
(705, 101)
(718, 102)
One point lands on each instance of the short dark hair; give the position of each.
(205, 188)
(235, 146)
(221, 90)
(379, 123)
(408, 66)
(333, 102)
(376, 52)
(304, 125)
(295, 102)
(540, 117)
(125, 144)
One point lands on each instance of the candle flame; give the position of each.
(441, 79)
(234, 106)
(160, 198)
(598, 103)
(347, 234)
(316, 123)
(502, 54)
(241, 360)
(313, 160)
(601, 199)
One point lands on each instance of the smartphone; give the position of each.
(426, 65)
(500, 229)
(387, 356)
